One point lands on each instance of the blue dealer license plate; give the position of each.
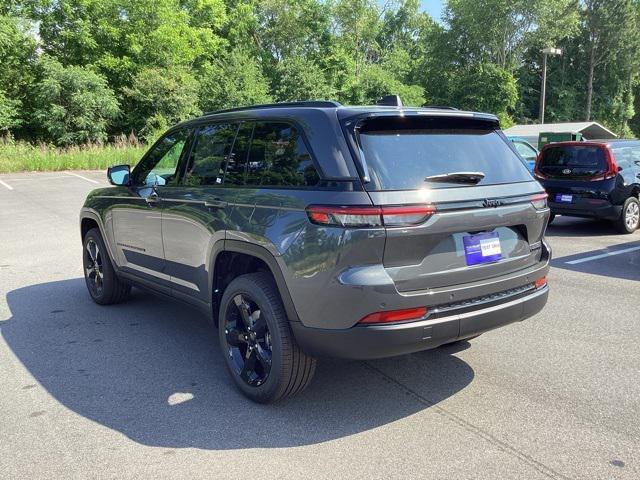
(482, 248)
(564, 198)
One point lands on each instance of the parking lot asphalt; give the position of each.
(138, 390)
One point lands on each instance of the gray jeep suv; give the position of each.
(314, 229)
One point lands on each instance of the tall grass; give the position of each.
(18, 156)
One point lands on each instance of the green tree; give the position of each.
(297, 78)
(376, 82)
(233, 80)
(499, 31)
(287, 29)
(607, 25)
(487, 88)
(9, 115)
(159, 98)
(17, 59)
(72, 104)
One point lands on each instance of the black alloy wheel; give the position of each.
(104, 285)
(260, 352)
(248, 340)
(93, 268)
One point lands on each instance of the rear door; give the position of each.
(196, 212)
(478, 231)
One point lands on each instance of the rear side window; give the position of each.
(573, 161)
(627, 156)
(278, 157)
(209, 154)
(270, 154)
(525, 150)
(401, 152)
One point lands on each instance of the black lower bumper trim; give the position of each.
(379, 341)
(607, 212)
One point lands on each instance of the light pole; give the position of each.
(543, 90)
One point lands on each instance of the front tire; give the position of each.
(259, 349)
(629, 220)
(102, 282)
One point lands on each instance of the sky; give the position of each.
(433, 7)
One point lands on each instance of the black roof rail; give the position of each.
(309, 103)
(440, 107)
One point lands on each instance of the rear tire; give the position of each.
(259, 349)
(102, 281)
(629, 220)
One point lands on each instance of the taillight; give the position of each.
(356, 216)
(395, 316)
(536, 169)
(613, 168)
(541, 282)
(539, 201)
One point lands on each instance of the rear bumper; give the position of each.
(379, 341)
(606, 211)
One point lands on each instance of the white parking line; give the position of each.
(83, 178)
(6, 185)
(602, 255)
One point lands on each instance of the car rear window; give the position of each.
(573, 161)
(400, 153)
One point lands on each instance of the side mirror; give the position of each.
(119, 175)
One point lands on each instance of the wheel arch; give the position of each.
(237, 258)
(89, 219)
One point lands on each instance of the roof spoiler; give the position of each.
(390, 101)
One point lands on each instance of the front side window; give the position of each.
(209, 154)
(160, 166)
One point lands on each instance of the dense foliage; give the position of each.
(85, 71)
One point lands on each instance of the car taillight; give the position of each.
(395, 316)
(541, 282)
(539, 201)
(356, 216)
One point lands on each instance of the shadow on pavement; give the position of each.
(624, 265)
(580, 227)
(151, 369)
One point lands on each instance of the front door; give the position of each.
(137, 221)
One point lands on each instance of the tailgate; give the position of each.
(433, 254)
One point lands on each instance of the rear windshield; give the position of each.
(573, 161)
(400, 155)
(574, 156)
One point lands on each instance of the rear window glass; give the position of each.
(400, 155)
(574, 156)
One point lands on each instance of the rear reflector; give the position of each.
(357, 216)
(395, 316)
(541, 282)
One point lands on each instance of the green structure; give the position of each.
(550, 137)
